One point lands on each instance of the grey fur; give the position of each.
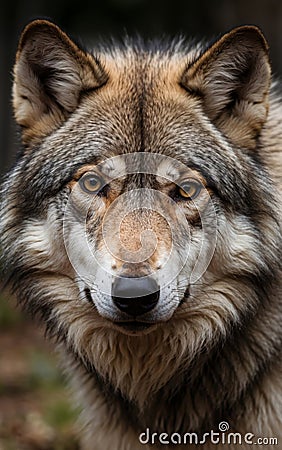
(217, 357)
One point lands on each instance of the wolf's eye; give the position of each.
(91, 183)
(189, 189)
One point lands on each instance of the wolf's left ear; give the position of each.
(50, 75)
(233, 78)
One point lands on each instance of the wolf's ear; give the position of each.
(50, 75)
(232, 78)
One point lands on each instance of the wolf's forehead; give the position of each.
(159, 165)
(144, 80)
(142, 108)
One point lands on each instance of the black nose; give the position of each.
(135, 296)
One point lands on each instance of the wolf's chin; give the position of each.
(135, 328)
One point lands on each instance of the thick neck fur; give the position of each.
(196, 398)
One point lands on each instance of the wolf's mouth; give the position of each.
(135, 328)
(134, 325)
(130, 325)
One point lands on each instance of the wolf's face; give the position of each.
(147, 224)
(137, 229)
(140, 201)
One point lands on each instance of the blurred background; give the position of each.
(35, 412)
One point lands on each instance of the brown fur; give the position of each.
(213, 352)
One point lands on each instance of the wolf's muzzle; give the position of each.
(135, 296)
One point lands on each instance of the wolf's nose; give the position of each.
(135, 296)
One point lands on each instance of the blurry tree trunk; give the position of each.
(14, 15)
(7, 45)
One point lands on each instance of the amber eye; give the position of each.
(189, 189)
(91, 183)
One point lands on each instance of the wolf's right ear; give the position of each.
(232, 80)
(50, 74)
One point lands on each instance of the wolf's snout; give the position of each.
(135, 296)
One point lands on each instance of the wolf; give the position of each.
(141, 223)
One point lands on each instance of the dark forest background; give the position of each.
(89, 21)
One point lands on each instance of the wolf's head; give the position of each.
(140, 205)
